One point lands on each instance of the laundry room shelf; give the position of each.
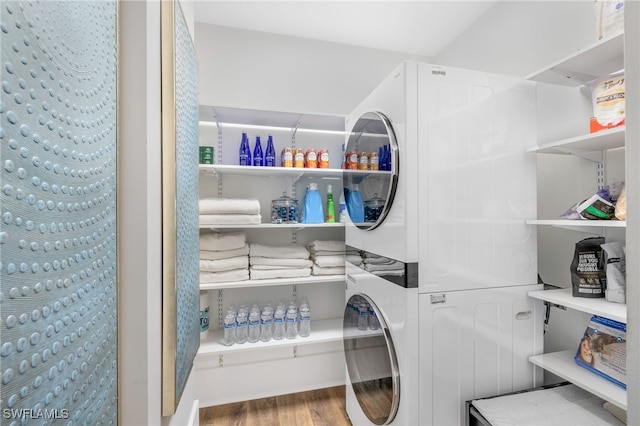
(272, 172)
(594, 61)
(322, 331)
(292, 226)
(591, 144)
(563, 365)
(564, 297)
(314, 279)
(590, 226)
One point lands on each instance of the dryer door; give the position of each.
(371, 170)
(371, 360)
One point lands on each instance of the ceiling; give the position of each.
(419, 27)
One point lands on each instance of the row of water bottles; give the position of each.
(361, 315)
(255, 323)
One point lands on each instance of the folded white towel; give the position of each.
(328, 261)
(230, 219)
(273, 268)
(289, 251)
(219, 241)
(395, 273)
(355, 259)
(378, 260)
(226, 276)
(257, 274)
(319, 270)
(289, 263)
(329, 245)
(220, 265)
(396, 266)
(224, 254)
(228, 206)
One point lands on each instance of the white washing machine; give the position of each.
(447, 256)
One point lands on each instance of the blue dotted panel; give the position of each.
(187, 254)
(58, 301)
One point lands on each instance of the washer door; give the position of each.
(371, 360)
(371, 168)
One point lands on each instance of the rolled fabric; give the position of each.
(220, 241)
(228, 206)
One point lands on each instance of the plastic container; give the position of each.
(355, 206)
(304, 327)
(291, 329)
(313, 211)
(331, 215)
(373, 208)
(270, 153)
(278, 323)
(363, 316)
(342, 208)
(284, 210)
(266, 324)
(242, 323)
(244, 158)
(258, 155)
(229, 329)
(254, 326)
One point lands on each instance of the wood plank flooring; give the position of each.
(321, 407)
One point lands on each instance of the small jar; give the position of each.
(284, 210)
(373, 208)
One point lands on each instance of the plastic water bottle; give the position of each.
(266, 324)
(258, 156)
(305, 320)
(374, 323)
(254, 326)
(242, 323)
(245, 151)
(270, 153)
(229, 329)
(292, 323)
(278, 323)
(363, 316)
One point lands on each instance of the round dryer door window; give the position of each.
(371, 360)
(371, 170)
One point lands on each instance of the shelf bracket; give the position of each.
(547, 314)
(587, 154)
(220, 360)
(295, 352)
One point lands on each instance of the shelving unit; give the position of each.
(602, 58)
(314, 279)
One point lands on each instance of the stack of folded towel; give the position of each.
(288, 261)
(379, 265)
(328, 257)
(224, 256)
(229, 211)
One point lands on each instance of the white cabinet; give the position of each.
(576, 71)
(253, 370)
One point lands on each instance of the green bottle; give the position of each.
(331, 218)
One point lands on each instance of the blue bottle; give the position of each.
(258, 156)
(270, 153)
(245, 151)
(355, 206)
(313, 211)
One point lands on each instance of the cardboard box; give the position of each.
(603, 349)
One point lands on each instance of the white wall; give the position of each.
(249, 69)
(139, 244)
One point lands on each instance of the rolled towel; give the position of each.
(228, 206)
(329, 245)
(319, 270)
(221, 265)
(230, 219)
(354, 259)
(289, 251)
(289, 263)
(257, 274)
(226, 276)
(219, 241)
(329, 261)
(224, 254)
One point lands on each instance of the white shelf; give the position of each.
(314, 279)
(270, 172)
(321, 332)
(590, 226)
(563, 364)
(580, 145)
(564, 297)
(292, 226)
(597, 60)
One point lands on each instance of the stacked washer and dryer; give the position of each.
(448, 260)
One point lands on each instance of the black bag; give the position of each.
(588, 274)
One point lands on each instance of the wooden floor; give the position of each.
(322, 407)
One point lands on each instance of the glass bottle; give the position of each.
(258, 156)
(270, 153)
(245, 151)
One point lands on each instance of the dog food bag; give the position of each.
(608, 100)
(588, 275)
(616, 270)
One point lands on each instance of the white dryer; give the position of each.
(447, 256)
